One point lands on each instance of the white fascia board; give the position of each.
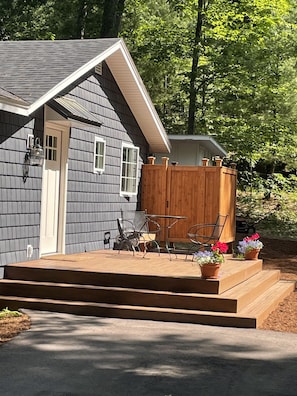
(73, 77)
(23, 111)
(200, 138)
(146, 96)
(128, 61)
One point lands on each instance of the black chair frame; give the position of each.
(202, 236)
(137, 234)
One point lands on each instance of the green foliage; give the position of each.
(50, 19)
(156, 33)
(246, 78)
(245, 81)
(274, 217)
(6, 313)
(24, 20)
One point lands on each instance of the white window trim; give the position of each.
(100, 140)
(128, 193)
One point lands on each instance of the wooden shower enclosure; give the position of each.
(199, 193)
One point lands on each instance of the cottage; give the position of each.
(191, 149)
(83, 105)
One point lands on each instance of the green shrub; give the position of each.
(5, 313)
(274, 217)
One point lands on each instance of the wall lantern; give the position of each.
(35, 153)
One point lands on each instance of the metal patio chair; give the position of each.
(137, 232)
(202, 236)
(148, 230)
(128, 238)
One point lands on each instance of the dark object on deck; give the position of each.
(106, 240)
(245, 227)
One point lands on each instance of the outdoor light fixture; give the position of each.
(35, 154)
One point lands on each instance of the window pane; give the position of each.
(129, 170)
(51, 148)
(99, 155)
(125, 154)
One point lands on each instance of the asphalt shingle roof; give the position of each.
(29, 69)
(34, 72)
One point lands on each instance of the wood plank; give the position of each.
(156, 288)
(262, 306)
(154, 272)
(246, 292)
(198, 192)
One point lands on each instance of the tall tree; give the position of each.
(241, 86)
(157, 35)
(194, 71)
(113, 10)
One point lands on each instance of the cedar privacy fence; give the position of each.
(198, 192)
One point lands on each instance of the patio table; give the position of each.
(170, 221)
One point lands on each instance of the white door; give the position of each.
(50, 192)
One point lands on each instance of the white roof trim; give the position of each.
(202, 138)
(14, 109)
(137, 97)
(131, 85)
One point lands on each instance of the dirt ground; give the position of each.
(10, 327)
(282, 255)
(276, 254)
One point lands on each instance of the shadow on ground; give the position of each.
(85, 356)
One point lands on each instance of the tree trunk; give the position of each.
(81, 20)
(112, 14)
(193, 75)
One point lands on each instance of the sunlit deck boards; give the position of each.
(105, 283)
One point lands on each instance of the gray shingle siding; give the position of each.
(19, 200)
(93, 200)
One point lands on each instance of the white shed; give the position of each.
(190, 149)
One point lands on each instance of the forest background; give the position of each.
(225, 68)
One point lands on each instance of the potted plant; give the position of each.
(250, 247)
(210, 260)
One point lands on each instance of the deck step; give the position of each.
(250, 317)
(123, 286)
(233, 272)
(246, 292)
(268, 301)
(229, 301)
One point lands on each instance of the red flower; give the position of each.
(222, 247)
(254, 237)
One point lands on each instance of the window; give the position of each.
(50, 148)
(99, 155)
(129, 172)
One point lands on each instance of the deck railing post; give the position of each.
(151, 160)
(218, 161)
(165, 161)
(205, 161)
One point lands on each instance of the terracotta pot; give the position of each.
(252, 254)
(210, 271)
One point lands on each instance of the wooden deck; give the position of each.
(105, 283)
